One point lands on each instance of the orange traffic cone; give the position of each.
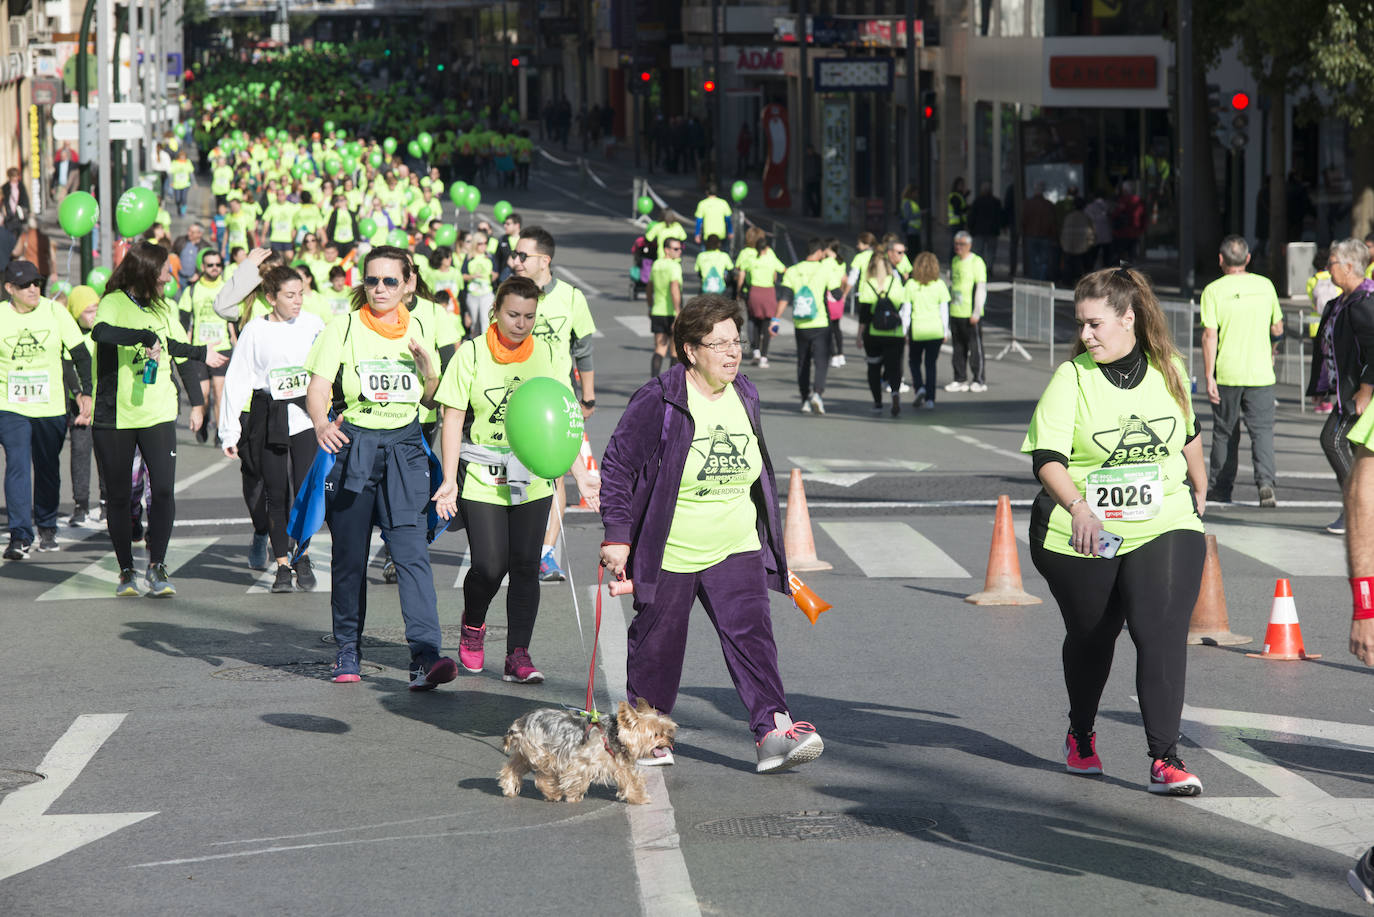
(1002, 585)
(585, 455)
(811, 604)
(1210, 625)
(796, 538)
(1283, 639)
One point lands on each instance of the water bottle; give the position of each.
(149, 372)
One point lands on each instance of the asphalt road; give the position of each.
(198, 760)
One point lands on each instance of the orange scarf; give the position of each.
(392, 331)
(503, 354)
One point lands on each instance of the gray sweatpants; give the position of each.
(1255, 405)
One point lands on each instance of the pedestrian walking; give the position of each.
(760, 275)
(803, 288)
(884, 316)
(1116, 530)
(929, 300)
(1241, 320)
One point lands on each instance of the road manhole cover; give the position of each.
(818, 826)
(14, 779)
(397, 637)
(285, 670)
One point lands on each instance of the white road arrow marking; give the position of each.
(1298, 809)
(28, 838)
(848, 472)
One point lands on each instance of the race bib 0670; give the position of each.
(389, 381)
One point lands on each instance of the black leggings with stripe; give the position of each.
(1152, 589)
(114, 452)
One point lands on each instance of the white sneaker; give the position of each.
(835, 362)
(806, 406)
(956, 387)
(842, 360)
(905, 388)
(817, 404)
(977, 387)
(756, 356)
(763, 362)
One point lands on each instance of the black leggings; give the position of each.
(1153, 589)
(884, 355)
(114, 451)
(758, 334)
(505, 540)
(283, 470)
(1336, 446)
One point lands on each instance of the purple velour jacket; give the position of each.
(642, 471)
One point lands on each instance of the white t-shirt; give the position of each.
(268, 355)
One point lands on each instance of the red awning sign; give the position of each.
(1074, 71)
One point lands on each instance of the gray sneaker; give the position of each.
(47, 539)
(1267, 497)
(158, 583)
(788, 745)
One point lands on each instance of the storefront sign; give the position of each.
(853, 74)
(848, 32)
(1074, 71)
(835, 160)
(685, 57)
(759, 61)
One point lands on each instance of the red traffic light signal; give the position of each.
(645, 76)
(709, 85)
(516, 61)
(928, 112)
(1240, 101)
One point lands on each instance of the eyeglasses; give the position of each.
(723, 346)
(390, 282)
(210, 264)
(25, 286)
(520, 257)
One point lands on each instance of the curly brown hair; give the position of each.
(699, 316)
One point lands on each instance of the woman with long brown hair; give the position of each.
(1116, 530)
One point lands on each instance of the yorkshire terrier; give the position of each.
(567, 752)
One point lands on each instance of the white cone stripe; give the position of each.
(1285, 611)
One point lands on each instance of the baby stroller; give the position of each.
(642, 255)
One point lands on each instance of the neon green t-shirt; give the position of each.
(964, 273)
(319, 268)
(1241, 307)
(927, 323)
(313, 302)
(476, 383)
(31, 346)
(1125, 450)
(442, 329)
(181, 171)
(860, 261)
(221, 180)
(714, 270)
(747, 256)
(661, 232)
(238, 225)
(868, 292)
(715, 514)
(379, 383)
(340, 302)
(713, 212)
(562, 314)
(133, 403)
(309, 218)
(207, 328)
(665, 273)
(807, 280)
(1362, 434)
(762, 269)
(447, 281)
(281, 222)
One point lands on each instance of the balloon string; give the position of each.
(67, 271)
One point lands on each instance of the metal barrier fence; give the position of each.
(1293, 358)
(1182, 319)
(1032, 317)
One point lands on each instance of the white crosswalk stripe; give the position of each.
(893, 549)
(319, 559)
(638, 324)
(98, 580)
(1292, 551)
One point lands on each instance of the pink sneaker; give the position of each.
(470, 653)
(1080, 753)
(520, 669)
(1170, 776)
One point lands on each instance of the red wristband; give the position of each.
(606, 543)
(1362, 591)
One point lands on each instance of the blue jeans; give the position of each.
(179, 197)
(1039, 255)
(33, 474)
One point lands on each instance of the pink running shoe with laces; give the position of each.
(1169, 775)
(520, 668)
(470, 651)
(1080, 753)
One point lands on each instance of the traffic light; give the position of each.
(1240, 121)
(709, 86)
(645, 76)
(517, 62)
(928, 110)
(440, 68)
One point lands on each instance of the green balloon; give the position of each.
(739, 191)
(501, 210)
(376, 159)
(410, 195)
(96, 279)
(398, 238)
(78, 213)
(472, 199)
(136, 212)
(170, 290)
(389, 144)
(446, 235)
(456, 192)
(645, 205)
(423, 216)
(270, 133)
(544, 426)
(334, 166)
(426, 140)
(414, 149)
(341, 133)
(329, 127)
(367, 227)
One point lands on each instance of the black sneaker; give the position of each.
(283, 581)
(78, 517)
(47, 539)
(428, 677)
(1361, 878)
(18, 549)
(127, 588)
(389, 572)
(305, 573)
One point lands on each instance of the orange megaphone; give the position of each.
(811, 604)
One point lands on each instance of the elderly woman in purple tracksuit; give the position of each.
(690, 508)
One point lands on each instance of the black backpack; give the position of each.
(886, 316)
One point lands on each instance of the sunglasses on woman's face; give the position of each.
(25, 286)
(390, 282)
